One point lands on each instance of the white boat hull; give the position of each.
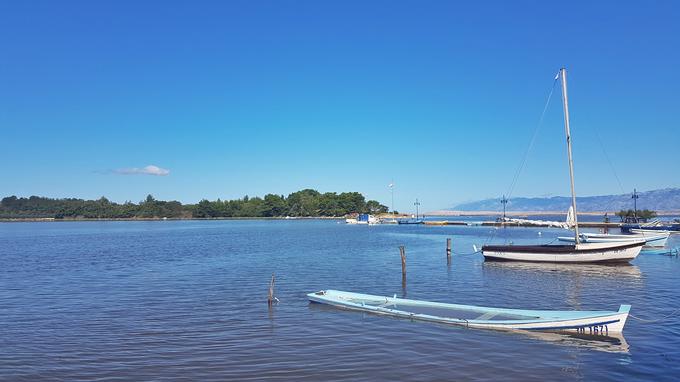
(582, 253)
(513, 319)
(651, 240)
(658, 238)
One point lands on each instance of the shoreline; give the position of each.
(434, 214)
(48, 220)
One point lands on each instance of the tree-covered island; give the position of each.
(305, 203)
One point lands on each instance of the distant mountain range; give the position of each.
(667, 199)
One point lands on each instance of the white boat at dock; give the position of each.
(478, 316)
(364, 219)
(650, 231)
(572, 253)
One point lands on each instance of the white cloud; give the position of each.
(148, 170)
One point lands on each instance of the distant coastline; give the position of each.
(432, 214)
(81, 219)
(300, 204)
(141, 219)
(533, 213)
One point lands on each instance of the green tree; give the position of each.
(274, 205)
(304, 203)
(641, 214)
(205, 209)
(374, 207)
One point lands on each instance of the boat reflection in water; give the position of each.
(602, 341)
(582, 270)
(576, 276)
(610, 343)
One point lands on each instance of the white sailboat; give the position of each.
(579, 252)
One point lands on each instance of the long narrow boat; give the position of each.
(578, 252)
(651, 240)
(478, 316)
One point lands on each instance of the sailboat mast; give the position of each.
(565, 104)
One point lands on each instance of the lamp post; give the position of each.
(392, 192)
(504, 201)
(635, 198)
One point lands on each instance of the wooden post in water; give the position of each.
(402, 252)
(606, 222)
(270, 297)
(448, 251)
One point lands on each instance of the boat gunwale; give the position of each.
(504, 325)
(529, 316)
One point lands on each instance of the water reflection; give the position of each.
(611, 343)
(569, 282)
(589, 270)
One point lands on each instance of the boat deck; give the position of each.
(447, 312)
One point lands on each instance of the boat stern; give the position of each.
(318, 297)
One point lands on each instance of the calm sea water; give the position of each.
(186, 300)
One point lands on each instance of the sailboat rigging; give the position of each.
(578, 252)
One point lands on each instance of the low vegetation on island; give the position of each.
(639, 214)
(304, 203)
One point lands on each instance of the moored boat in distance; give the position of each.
(578, 252)
(478, 316)
(410, 221)
(654, 225)
(415, 219)
(364, 219)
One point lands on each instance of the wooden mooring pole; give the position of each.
(270, 297)
(448, 249)
(402, 252)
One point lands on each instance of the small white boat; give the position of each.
(478, 316)
(651, 240)
(649, 231)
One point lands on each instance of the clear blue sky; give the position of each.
(236, 98)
